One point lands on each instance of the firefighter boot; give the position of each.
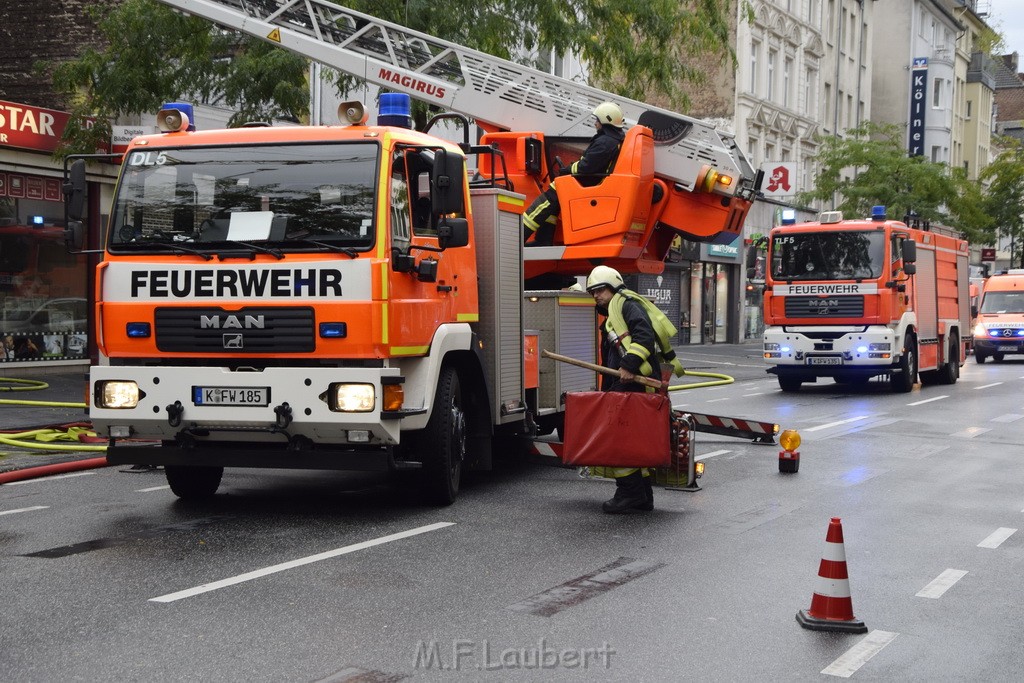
(648, 503)
(629, 493)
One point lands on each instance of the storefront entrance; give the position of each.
(707, 319)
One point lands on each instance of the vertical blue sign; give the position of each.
(918, 106)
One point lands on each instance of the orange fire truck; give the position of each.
(351, 297)
(855, 299)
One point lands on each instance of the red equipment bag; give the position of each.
(617, 429)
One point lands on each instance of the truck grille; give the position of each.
(248, 330)
(824, 307)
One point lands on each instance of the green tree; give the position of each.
(154, 54)
(871, 166)
(1004, 199)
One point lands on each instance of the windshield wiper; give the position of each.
(180, 249)
(276, 253)
(348, 251)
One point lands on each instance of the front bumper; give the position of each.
(830, 351)
(294, 413)
(993, 345)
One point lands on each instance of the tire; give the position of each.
(997, 357)
(789, 384)
(444, 444)
(950, 372)
(979, 357)
(903, 381)
(193, 483)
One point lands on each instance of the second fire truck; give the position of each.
(855, 299)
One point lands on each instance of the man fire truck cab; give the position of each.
(351, 297)
(999, 329)
(855, 299)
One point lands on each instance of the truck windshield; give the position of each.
(845, 255)
(290, 195)
(1003, 302)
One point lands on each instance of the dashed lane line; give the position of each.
(971, 432)
(153, 488)
(836, 424)
(942, 583)
(987, 386)
(996, 538)
(710, 455)
(31, 509)
(858, 655)
(266, 571)
(927, 400)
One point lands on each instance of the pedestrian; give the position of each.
(596, 162)
(629, 344)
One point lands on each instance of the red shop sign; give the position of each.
(31, 127)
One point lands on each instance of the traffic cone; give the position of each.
(831, 606)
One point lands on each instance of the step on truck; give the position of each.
(352, 296)
(856, 299)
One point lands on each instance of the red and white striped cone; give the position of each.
(831, 606)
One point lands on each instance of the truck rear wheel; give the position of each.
(444, 443)
(193, 483)
(950, 372)
(979, 357)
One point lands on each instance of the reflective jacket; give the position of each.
(599, 158)
(663, 330)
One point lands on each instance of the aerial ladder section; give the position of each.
(702, 184)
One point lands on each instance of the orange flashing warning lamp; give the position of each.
(789, 457)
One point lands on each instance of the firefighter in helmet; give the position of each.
(596, 162)
(629, 345)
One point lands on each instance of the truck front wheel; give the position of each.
(444, 445)
(789, 384)
(193, 483)
(904, 380)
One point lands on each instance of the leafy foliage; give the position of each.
(1005, 196)
(871, 166)
(639, 48)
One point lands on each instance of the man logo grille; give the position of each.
(231, 322)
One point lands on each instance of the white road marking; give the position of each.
(1009, 417)
(858, 655)
(56, 476)
(153, 488)
(716, 400)
(996, 538)
(759, 393)
(941, 584)
(710, 455)
(971, 432)
(840, 422)
(987, 386)
(34, 507)
(927, 400)
(259, 573)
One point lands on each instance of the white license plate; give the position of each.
(231, 396)
(827, 360)
(1009, 349)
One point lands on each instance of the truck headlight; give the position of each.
(117, 394)
(352, 398)
(772, 347)
(980, 331)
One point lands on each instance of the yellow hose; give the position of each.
(31, 384)
(722, 379)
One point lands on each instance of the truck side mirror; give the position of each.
(447, 183)
(974, 310)
(453, 232)
(751, 257)
(74, 190)
(909, 252)
(909, 268)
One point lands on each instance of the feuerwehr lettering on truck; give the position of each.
(337, 281)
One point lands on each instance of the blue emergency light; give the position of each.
(37, 220)
(395, 110)
(788, 217)
(169, 121)
(878, 213)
